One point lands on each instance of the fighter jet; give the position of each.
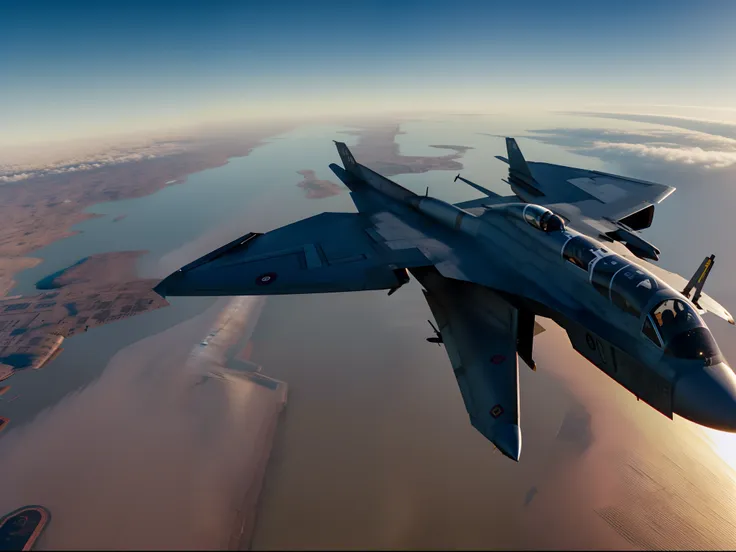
(564, 246)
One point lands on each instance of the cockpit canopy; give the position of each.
(674, 324)
(543, 219)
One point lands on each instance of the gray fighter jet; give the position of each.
(564, 247)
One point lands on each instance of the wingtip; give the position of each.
(508, 440)
(160, 290)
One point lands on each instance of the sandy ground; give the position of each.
(152, 455)
(375, 449)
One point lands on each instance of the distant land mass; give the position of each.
(459, 149)
(10, 266)
(377, 149)
(42, 207)
(102, 268)
(315, 188)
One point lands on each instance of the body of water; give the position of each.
(253, 193)
(375, 448)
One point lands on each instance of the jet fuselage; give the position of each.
(621, 317)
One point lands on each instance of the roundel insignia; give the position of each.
(497, 359)
(266, 279)
(496, 411)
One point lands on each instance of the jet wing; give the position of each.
(591, 195)
(481, 344)
(330, 252)
(601, 196)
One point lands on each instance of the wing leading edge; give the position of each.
(479, 334)
(330, 252)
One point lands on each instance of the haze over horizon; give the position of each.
(83, 69)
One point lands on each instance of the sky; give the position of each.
(79, 69)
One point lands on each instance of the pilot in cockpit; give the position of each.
(674, 316)
(682, 331)
(550, 222)
(667, 319)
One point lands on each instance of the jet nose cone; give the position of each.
(707, 397)
(507, 439)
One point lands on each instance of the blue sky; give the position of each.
(73, 69)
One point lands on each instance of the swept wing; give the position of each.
(479, 331)
(595, 201)
(331, 252)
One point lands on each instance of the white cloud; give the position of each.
(716, 159)
(712, 139)
(676, 137)
(21, 167)
(688, 147)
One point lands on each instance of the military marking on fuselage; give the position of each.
(590, 341)
(266, 279)
(601, 352)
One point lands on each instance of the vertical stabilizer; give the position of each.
(356, 176)
(698, 279)
(348, 161)
(516, 159)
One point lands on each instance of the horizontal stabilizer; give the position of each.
(501, 158)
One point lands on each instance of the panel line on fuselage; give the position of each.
(562, 250)
(610, 284)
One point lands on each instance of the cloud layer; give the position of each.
(687, 147)
(709, 159)
(20, 166)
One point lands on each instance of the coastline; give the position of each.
(40, 211)
(100, 268)
(43, 210)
